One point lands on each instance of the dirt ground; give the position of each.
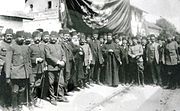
(146, 98)
(104, 98)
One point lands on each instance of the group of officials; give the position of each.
(44, 64)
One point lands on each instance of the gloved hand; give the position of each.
(39, 60)
(8, 81)
(110, 50)
(61, 63)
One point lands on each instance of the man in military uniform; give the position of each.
(37, 77)
(28, 38)
(45, 37)
(17, 69)
(171, 60)
(4, 46)
(56, 59)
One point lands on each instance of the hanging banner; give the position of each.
(104, 15)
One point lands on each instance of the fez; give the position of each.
(66, 31)
(95, 32)
(74, 33)
(19, 34)
(45, 33)
(36, 34)
(54, 34)
(109, 34)
(27, 35)
(9, 31)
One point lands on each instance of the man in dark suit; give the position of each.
(56, 59)
(97, 58)
(17, 69)
(69, 57)
(152, 57)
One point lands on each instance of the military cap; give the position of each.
(45, 33)
(36, 34)
(54, 34)
(27, 35)
(19, 34)
(9, 31)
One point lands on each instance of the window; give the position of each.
(31, 7)
(49, 4)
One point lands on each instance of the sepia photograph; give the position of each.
(89, 55)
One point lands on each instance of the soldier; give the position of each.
(135, 52)
(152, 57)
(56, 59)
(37, 77)
(4, 47)
(28, 38)
(18, 68)
(45, 37)
(171, 56)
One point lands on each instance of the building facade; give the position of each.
(45, 14)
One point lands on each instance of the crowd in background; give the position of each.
(49, 65)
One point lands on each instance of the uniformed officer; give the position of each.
(37, 77)
(4, 46)
(17, 69)
(56, 59)
(171, 57)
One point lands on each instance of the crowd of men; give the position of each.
(44, 64)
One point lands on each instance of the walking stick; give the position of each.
(42, 87)
(27, 88)
(58, 84)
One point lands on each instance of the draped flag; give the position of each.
(104, 15)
